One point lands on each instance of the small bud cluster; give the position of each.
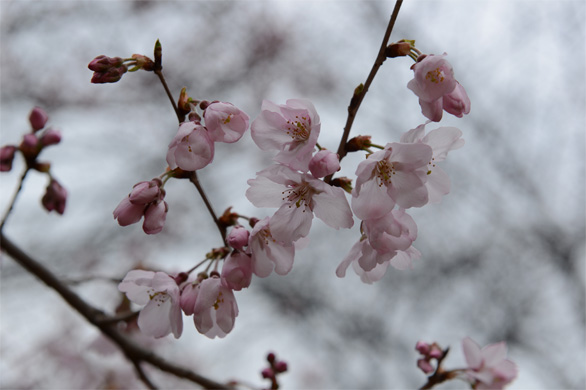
(145, 199)
(30, 147)
(276, 367)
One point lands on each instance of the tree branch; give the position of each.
(131, 350)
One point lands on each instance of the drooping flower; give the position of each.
(160, 293)
(488, 368)
(225, 123)
(441, 141)
(155, 216)
(145, 199)
(191, 148)
(214, 307)
(237, 271)
(435, 85)
(292, 129)
(299, 196)
(55, 197)
(267, 253)
(394, 175)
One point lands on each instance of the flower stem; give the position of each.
(159, 73)
(22, 177)
(359, 93)
(193, 178)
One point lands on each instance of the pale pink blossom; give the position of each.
(298, 196)
(237, 271)
(394, 175)
(238, 237)
(435, 85)
(395, 231)
(191, 148)
(441, 141)
(128, 213)
(324, 163)
(225, 123)
(145, 199)
(267, 253)
(160, 293)
(214, 307)
(362, 252)
(154, 217)
(55, 197)
(488, 368)
(146, 192)
(38, 118)
(291, 129)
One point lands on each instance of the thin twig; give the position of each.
(14, 197)
(143, 376)
(159, 73)
(133, 352)
(193, 178)
(358, 95)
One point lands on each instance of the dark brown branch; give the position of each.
(159, 73)
(133, 352)
(193, 178)
(14, 197)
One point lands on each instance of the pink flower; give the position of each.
(160, 293)
(146, 199)
(38, 118)
(298, 196)
(441, 141)
(214, 307)
(55, 197)
(191, 148)
(390, 233)
(146, 192)
(268, 253)
(128, 213)
(395, 174)
(324, 163)
(362, 252)
(433, 81)
(107, 69)
(237, 271)
(488, 367)
(225, 123)
(292, 129)
(6, 157)
(154, 217)
(238, 237)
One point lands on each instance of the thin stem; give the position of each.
(169, 95)
(133, 352)
(143, 377)
(193, 178)
(359, 94)
(22, 177)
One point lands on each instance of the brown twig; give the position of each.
(159, 73)
(132, 351)
(193, 178)
(14, 197)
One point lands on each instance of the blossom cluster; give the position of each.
(30, 147)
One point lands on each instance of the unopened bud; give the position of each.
(361, 142)
(344, 183)
(398, 49)
(30, 146)
(281, 366)
(50, 137)
(38, 118)
(55, 197)
(104, 64)
(228, 218)
(158, 55)
(6, 157)
(142, 62)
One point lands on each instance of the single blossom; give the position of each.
(441, 141)
(394, 175)
(191, 148)
(225, 123)
(291, 129)
(435, 85)
(488, 368)
(298, 196)
(213, 306)
(55, 197)
(324, 163)
(267, 253)
(38, 118)
(159, 293)
(7, 157)
(237, 271)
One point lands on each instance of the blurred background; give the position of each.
(503, 254)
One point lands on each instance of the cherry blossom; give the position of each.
(238, 237)
(191, 148)
(441, 141)
(488, 367)
(324, 163)
(213, 306)
(237, 271)
(55, 197)
(267, 253)
(225, 123)
(435, 85)
(362, 252)
(292, 129)
(145, 199)
(299, 196)
(160, 295)
(396, 174)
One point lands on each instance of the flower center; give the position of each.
(158, 296)
(384, 171)
(299, 129)
(430, 165)
(435, 76)
(219, 301)
(298, 193)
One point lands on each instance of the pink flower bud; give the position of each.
(324, 163)
(50, 137)
(6, 157)
(280, 366)
(111, 76)
(146, 192)
(38, 118)
(422, 347)
(55, 197)
(237, 271)
(268, 373)
(238, 237)
(425, 366)
(225, 122)
(103, 64)
(127, 213)
(188, 298)
(154, 217)
(457, 102)
(30, 146)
